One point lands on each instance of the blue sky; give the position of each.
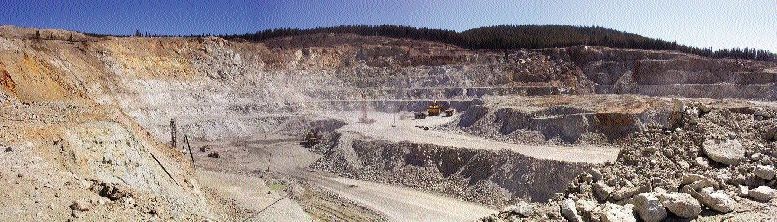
(717, 24)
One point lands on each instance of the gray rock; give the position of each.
(569, 211)
(602, 191)
(649, 207)
(717, 200)
(596, 174)
(617, 213)
(764, 172)
(728, 152)
(681, 204)
(762, 193)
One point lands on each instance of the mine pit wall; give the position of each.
(490, 177)
(667, 73)
(568, 124)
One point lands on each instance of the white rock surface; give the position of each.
(717, 200)
(728, 152)
(618, 213)
(681, 204)
(762, 193)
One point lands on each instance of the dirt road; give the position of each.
(402, 204)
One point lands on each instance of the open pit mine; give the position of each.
(343, 127)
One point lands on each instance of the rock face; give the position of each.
(762, 193)
(681, 204)
(728, 152)
(649, 207)
(717, 200)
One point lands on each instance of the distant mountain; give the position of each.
(504, 37)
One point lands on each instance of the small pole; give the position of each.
(172, 132)
(191, 154)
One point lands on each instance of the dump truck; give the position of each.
(433, 109)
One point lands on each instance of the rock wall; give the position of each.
(490, 177)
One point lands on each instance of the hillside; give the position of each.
(507, 37)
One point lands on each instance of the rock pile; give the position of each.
(717, 165)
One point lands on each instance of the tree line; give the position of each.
(505, 37)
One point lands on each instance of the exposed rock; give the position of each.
(649, 207)
(213, 155)
(521, 209)
(728, 152)
(596, 174)
(717, 200)
(569, 211)
(80, 205)
(8, 149)
(762, 193)
(743, 191)
(110, 191)
(681, 204)
(618, 213)
(764, 172)
(602, 191)
(585, 208)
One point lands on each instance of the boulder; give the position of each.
(717, 200)
(617, 213)
(764, 172)
(762, 193)
(569, 211)
(602, 191)
(681, 204)
(649, 207)
(728, 152)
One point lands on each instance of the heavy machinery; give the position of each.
(433, 109)
(311, 139)
(449, 112)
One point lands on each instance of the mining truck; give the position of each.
(433, 109)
